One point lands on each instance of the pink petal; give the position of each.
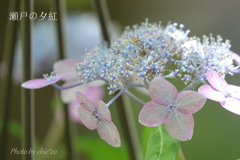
(85, 102)
(87, 117)
(38, 83)
(180, 126)
(209, 92)
(102, 110)
(94, 92)
(162, 92)
(215, 80)
(153, 114)
(109, 133)
(65, 65)
(189, 102)
(232, 104)
(234, 91)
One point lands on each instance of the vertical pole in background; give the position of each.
(26, 94)
(60, 16)
(8, 55)
(130, 133)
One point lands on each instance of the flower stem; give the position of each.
(116, 96)
(8, 54)
(27, 95)
(134, 98)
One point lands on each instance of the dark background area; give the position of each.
(216, 132)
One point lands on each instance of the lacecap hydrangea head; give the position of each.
(151, 50)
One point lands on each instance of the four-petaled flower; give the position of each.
(96, 115)
(171, 108)
(220, 91)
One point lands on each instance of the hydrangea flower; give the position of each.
(96, 115)
(171, 108)
(220, 91)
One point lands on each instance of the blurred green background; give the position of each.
(216, 131)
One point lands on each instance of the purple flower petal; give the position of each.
(102, 110)
(215, 80)
(87, 117)
(153, 114)
(236, 57)
(209, 92)
(38, 83)
(232, 104)
(189, 102)
(109, 133)
(162, 92)
(180, 126)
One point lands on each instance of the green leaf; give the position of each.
(96, 149)
(145, 136)
(161, 146)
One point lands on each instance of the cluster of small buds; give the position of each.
(51, 76)
(151, 50)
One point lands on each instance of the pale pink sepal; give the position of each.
(97, 115)
(211, 93)
(102, 110)
(236, 57)
(216, 80)
(92, 90)
(232, 104)
(189, 102)
(65, 66)
(109, 133)
(180, 126)
(162, 92)
(38, 83)
(153, 114)
(41, 82)
(85, 102)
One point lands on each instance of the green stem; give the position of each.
(61, 12)
(133, 132)
(181, 155)
(27, 95)
(8, 54)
